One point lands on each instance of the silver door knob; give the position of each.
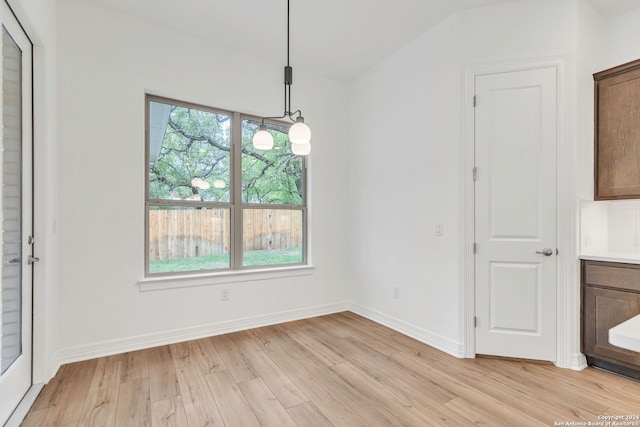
(32, 259)
(545, 252)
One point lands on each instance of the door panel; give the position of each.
(15, 215)
(515, 302)
(515, 125)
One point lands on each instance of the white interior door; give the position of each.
(515, 192)
(16, 215)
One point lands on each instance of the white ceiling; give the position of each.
(613, 8)
(338, 38)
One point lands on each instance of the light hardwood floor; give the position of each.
(340, 370)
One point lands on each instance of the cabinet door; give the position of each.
(604, 309)
(617, 132)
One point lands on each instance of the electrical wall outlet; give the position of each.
(396, 292)
(224, 294)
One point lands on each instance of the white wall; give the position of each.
(401, 159)
(107, 61)
(591, 48)
(407, 129)
(623, 41)
(405, 116)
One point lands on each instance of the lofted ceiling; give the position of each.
(613, 8)
(338, 38)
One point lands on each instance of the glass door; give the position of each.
(16, 215)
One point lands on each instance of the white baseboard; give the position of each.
(431, 339)
(578, 362)
(111, 347)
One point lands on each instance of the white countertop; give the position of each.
(627, 334)
(626, 258)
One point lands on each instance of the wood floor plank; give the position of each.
(135, 366)
(308, 415)
(70, 388)
(470, 392)
(134, 406)
(359, 402)
(208, 358)
(337, 411)
(584, 405)
(305, 338)
(163, 381)
(358, 353)
(233, 358)
(34, 418)
(101, 402)
(200, 353)
(273, 339)
(168, 413)
(50, 393)
(394, 404)
(282, 387)
(547, 409)
(340, 369)
(267, 408)
(330, 325)
(199, 405)
(477, 415)
(233, 406)
(591, 379)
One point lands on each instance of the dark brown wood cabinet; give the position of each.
(617, 132)
(610, 295)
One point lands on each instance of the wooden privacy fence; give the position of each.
(186, 233)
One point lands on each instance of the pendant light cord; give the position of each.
(287, 108)
(288, 77)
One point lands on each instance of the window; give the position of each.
(214, 202)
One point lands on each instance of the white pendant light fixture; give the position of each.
(263, 140)
(299, 133)
(301, 149)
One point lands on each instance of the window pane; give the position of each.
(189, 153)
(188, 239)
(274, 176)
(272, 237)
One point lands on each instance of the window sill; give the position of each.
(174, 282)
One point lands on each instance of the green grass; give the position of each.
(214, 262)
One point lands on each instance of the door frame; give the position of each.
(568, 293)
(44, 219)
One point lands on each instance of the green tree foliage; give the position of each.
(196, 144)
(270, 177)
(194, 162)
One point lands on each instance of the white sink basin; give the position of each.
(627, 334)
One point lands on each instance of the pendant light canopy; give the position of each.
(299, 132)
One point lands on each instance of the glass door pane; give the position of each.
(11, 201)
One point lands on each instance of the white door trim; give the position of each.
(568, 301)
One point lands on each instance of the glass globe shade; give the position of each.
(218, 183)
(301, 149)
(195, 182)
(263, 140)
(299, 133)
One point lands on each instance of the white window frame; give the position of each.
(236, 271)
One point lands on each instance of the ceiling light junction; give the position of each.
(299, 132)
